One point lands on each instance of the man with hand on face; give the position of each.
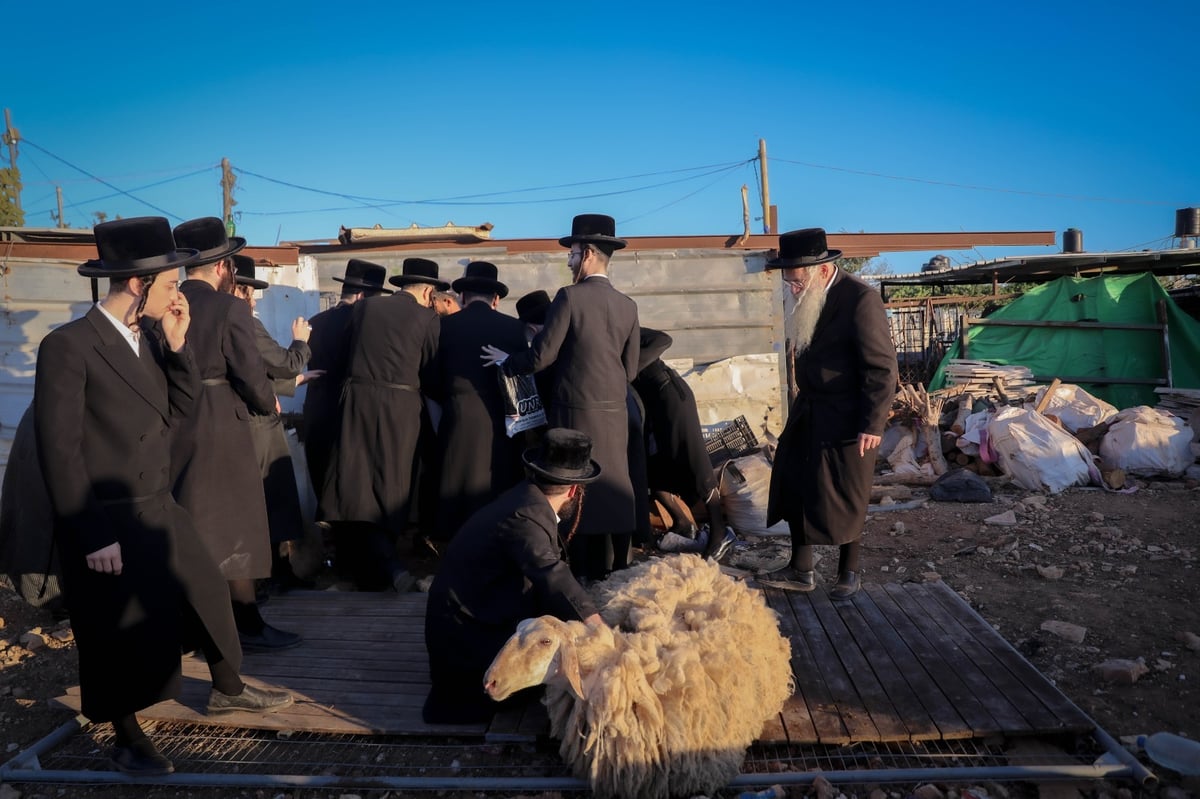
(140, 584)
(366, 495)
(845, 371)
(506, 564)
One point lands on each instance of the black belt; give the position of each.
(215, 381)
(362, 381)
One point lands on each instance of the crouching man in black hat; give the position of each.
(140, 585)
(505, 565)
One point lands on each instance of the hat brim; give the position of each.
(797, 263)
(408, 280)
(558, 477)
(480, 285)
(175, 259)
(252, 282)
(611, 241)
(235, 245)
(358, 284)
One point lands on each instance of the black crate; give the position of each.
(731, 441)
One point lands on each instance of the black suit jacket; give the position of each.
(104, 420)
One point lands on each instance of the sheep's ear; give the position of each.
(568, 664)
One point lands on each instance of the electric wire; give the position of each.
(706, 186)
(950, 184)
(139, 188)
(117, 189)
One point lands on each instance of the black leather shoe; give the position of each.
(846, 587)
(141, 759)
(271, 639)
(789, 579)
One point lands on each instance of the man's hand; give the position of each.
(106, 560)
(493, 356)
(867, 442)
(301, 329)
(308, 377)
(175, 322)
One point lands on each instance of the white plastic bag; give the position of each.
(745, 485)
(1074, 407)
(1038, 454)
(1147, 442)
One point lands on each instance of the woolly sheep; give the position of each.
(666, 699)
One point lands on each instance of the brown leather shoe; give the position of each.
(255, 700)
(846, 587)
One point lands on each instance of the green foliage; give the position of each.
(10, 190)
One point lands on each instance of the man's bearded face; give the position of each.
(804, 299)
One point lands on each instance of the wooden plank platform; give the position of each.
(898, 663)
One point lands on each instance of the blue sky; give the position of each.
(877, 116)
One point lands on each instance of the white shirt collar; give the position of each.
(129, 335)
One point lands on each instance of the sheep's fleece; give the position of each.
(665, 702)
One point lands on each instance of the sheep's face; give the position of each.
(534, 655)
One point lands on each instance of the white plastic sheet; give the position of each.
(1148, 442)
(1074, 407)
(1037, 454)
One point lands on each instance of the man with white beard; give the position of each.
(846, 377)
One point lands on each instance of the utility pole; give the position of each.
(59, 218)
(11, 137)
(766, 191)
(227, 201)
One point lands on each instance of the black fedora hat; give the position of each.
(565, 457)
(799, 248)
(134, 247)
(243, 267)
(531, 309)
(362, 274)
(480, 277)
(419, 270)
(208, 235)
(595, 229)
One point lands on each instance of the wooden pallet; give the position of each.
(896, 663)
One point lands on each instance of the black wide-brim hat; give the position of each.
(362, 274)
(480, 277)
(419, 270)
(209, 237)
(800, 248)
(135, 247)
(564, 457)
(595, 229)
(243, 266)
(531, 309)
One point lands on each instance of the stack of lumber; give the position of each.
(1182, 402)
(1005, 383)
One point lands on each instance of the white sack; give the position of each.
(1147, 442)
(745, 485)
(1074, 407)
(1038, 454)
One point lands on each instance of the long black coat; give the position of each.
(393, 341)
(270, 440)
(590, 347)
(329, 343)
(477, 461)
(506, 564)
(220, 484)
(678, 459)
(847, 381)
(105, 419)
(28, 556)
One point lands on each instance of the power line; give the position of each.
(970, 186)
(139, 188)
(99, 180)
(463, 199)
(126, 176)
(706, 186)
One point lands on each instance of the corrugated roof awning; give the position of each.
(1044, 268)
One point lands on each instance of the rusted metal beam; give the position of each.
(85, 250)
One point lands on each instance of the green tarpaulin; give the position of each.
(1089, 352)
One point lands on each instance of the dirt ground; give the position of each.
(1120, 570)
